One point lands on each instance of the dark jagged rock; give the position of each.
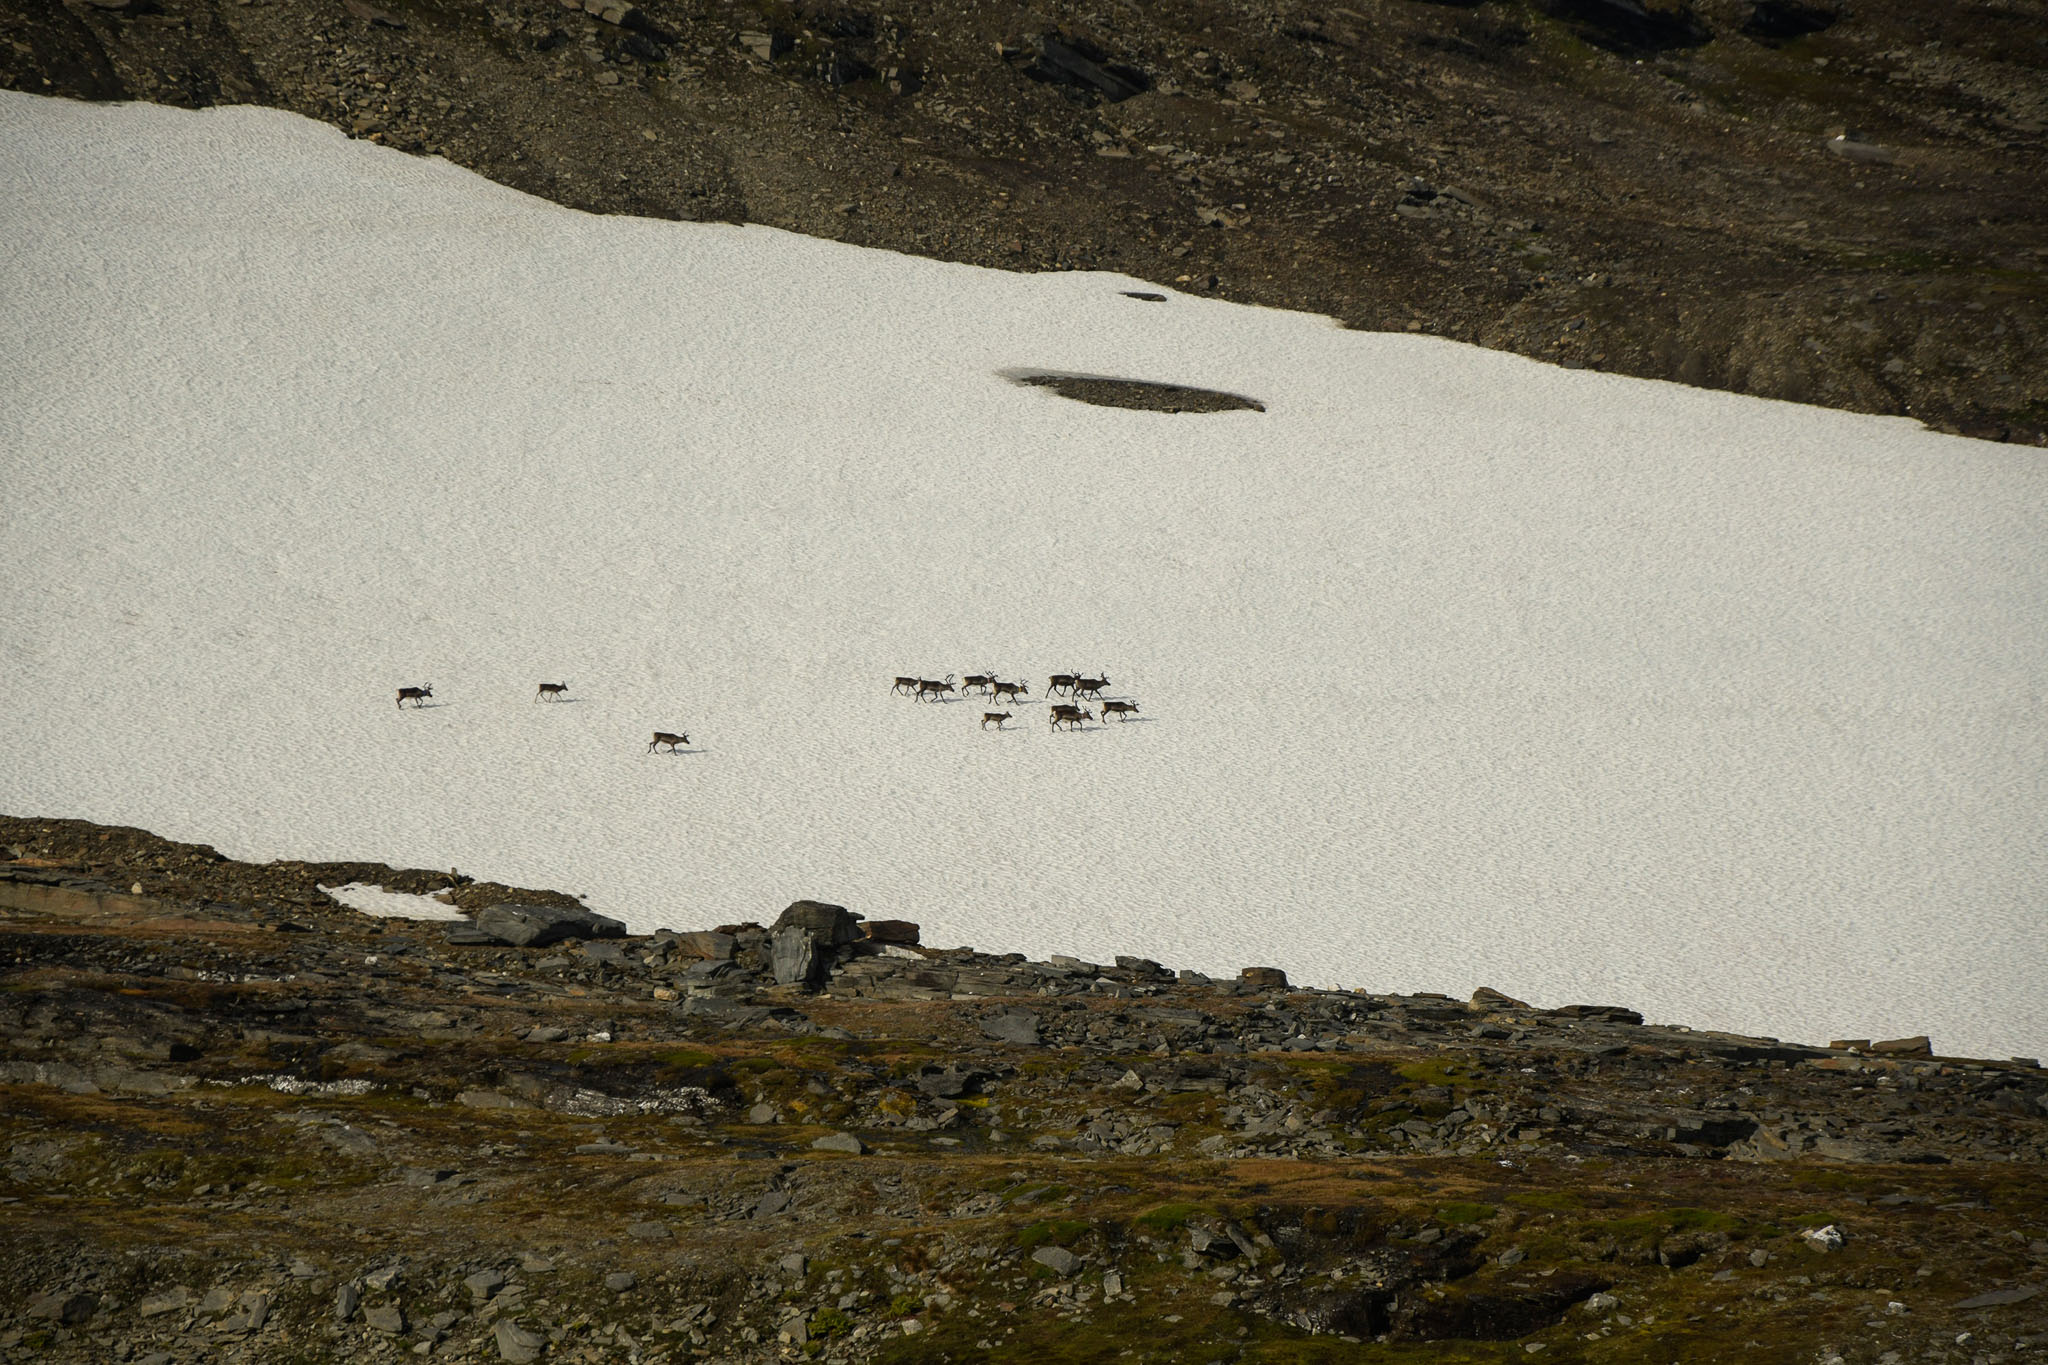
(1066, 60)
(537, 926)
(1606, 1014)
(830, 926)
(70, 1309)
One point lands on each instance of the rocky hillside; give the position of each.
(242, 1123)
(1830, 201)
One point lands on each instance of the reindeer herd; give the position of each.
(1070, 715)
(547, 691)
(1076, 686)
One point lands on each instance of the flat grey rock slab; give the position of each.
(536, 926)
(1999, 1298)
(1016, 1027)
(839, 1142)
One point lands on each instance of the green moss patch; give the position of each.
(1057, 1232)
(1458, 1215)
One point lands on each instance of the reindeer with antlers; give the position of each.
(1090, 687)
(416, 695)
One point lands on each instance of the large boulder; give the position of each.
(796, 957)
(828, 925)
(537, 926)
(806, 938)
(1015, 1027)
(1058, 1260)
(70, 1309)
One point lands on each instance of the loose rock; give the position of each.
(516, 1343)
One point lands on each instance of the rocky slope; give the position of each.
(241, 1122)
(1654, 187)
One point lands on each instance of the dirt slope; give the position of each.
(1643, 186)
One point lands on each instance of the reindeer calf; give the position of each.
(550, 691)
(997, 716)
(664, 737)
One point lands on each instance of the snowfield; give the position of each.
(1454, 669)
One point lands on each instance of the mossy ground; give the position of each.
(231, 1167)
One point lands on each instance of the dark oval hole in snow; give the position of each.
(1143, 395)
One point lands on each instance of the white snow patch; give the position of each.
(1454, 668)
(375, 900)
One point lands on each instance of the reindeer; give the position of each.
(664, 737)
(933, 689)
(1090, 687)
(977, 682)
(550, 691)
(1122, 710)
(1070, 716)
(997, 691)
(997, 716)
(1061, 684)
(905, 686)
(416, 695)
